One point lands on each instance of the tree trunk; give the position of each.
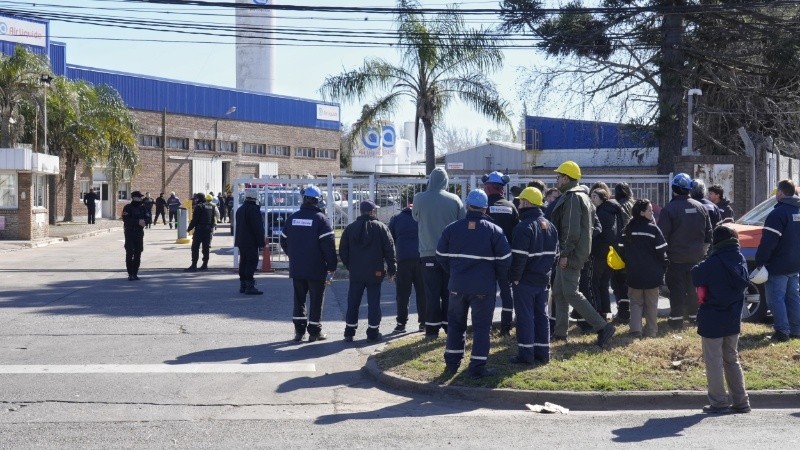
(430, 150)
(69, 188)
(52, 194)
(5, 131)
(670, 95)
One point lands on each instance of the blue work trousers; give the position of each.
(482, 311)
(533, 326)
(354, 295)
(436, 295)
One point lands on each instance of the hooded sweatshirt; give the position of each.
(434, 210)
(573, 217)
(364, 247)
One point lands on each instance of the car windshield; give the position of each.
(757, 215)
(284, 199)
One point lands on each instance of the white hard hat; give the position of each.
(759, 275)
(251, 193)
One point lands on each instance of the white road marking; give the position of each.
(158, 368)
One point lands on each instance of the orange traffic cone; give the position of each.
(266, 263)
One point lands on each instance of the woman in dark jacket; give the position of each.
(724, 277)
(611, 222)
(644, 250)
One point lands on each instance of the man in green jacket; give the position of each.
(572, 217)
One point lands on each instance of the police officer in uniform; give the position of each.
(534, 250)
(309, 241)
(89, 200)
(203, 225)
(687, 230)
(505, 215)
(475, 254)
(249, 238)
(134, 218)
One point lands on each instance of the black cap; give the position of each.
(724, 233)
(136, 194)
(367, 206)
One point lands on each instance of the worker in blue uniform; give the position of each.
(534, 249)
(476, 254)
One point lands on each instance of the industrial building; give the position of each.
(193, 137)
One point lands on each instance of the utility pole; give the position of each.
(690, 120)
(164, 151)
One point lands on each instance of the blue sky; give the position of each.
(300, 70)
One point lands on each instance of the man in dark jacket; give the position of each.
(716, 194)
(624, 196)
(405, 232)
(724, 277)
(161, 205)
(134, 219)
(475, 253)
(203, 225)
(367, 250)
(612, 221)
(91, 207)
(779, 252)
(534, 250)
(148, 203)
(223, 210)
(309, 241)
(505, 215)
(687, 230)
(699, 193)
(173, 204)
(249, 238)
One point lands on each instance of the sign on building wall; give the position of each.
(23, 31)
(455, 166)
(328, 112)
(721, 174)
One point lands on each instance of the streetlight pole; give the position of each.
(690, 120)
(45, 80)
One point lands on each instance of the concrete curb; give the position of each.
(581, 401)
(78, 236)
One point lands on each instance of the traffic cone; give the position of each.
(266, 263)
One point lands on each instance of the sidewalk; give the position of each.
(65, 231)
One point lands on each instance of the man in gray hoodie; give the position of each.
(434, 210)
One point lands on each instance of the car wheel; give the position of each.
(755, 304)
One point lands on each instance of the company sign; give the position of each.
(328, 112)
(23, 32)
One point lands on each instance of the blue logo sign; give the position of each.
(371, 139)
(260, 2)
(388, 136)
(3, 28)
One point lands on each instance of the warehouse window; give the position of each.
(304, 152)
(278, 150)
(8, 191)
(254, 149)
(204, 144)
(227, 146)
(149, 140)
(326, 154)
(179, 143)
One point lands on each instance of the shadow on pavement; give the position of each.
(658, 428)
(283, 351)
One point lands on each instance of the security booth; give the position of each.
(23, 193)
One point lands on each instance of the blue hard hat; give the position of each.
(496, 177)
(478, 199)
(683, 181)
(312, 191)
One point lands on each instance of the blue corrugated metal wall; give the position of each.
(155, 94)
(567, 134)
(58, 58)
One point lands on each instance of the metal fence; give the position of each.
(342, 196)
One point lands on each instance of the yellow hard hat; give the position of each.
(570, 169)
(531, 194)
(614, 260)
(209, 197)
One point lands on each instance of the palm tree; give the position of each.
(19, 82)
(90, 125)
(441, 60)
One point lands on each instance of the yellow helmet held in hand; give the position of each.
(570, 169)
(614, 260)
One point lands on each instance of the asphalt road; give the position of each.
(91, 360)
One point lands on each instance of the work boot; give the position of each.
(170, 225)
(192, 268)
(317, 337)
(242, 286)
(250, 289)
(204, 266)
